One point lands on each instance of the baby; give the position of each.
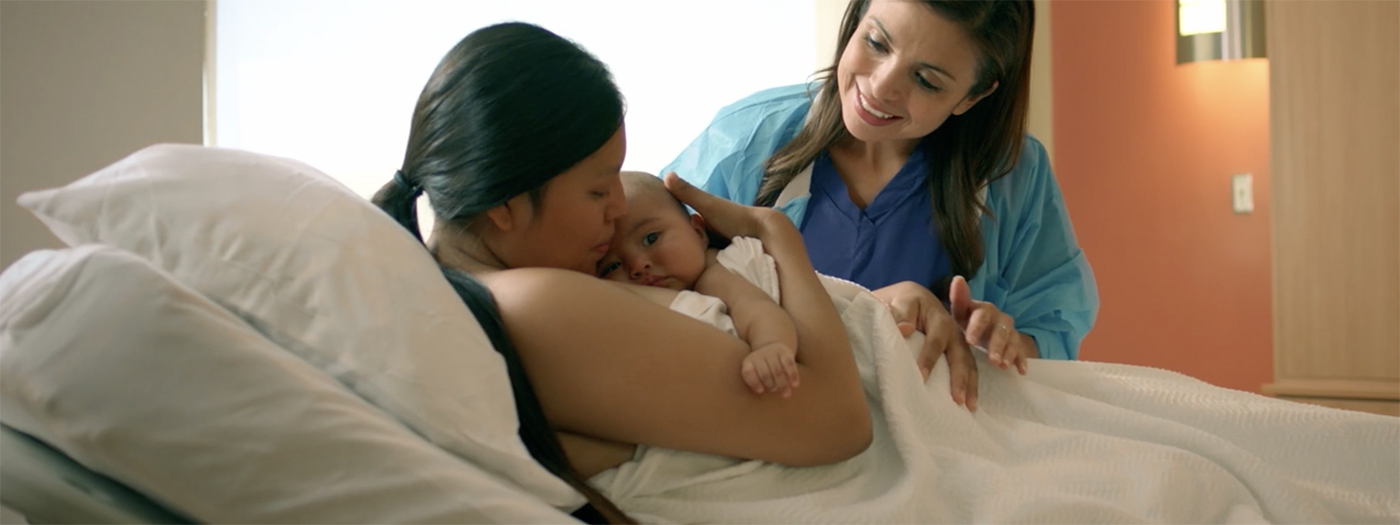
(659, 244)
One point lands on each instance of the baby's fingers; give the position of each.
(782, 384)
(750, 375)
(790, 365)
(769, 375)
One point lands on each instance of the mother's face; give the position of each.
(574, 222)
(904, 71)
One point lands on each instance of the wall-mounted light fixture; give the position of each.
(1219, 30)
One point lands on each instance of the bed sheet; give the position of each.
(1071, 442)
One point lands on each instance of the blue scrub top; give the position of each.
(892, 239)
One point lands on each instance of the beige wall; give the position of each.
(1037, 121)
(83, 84)
(1041, 113)
(828, 24)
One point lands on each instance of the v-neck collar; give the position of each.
(908, 181)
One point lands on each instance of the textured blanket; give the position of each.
(1071, 442)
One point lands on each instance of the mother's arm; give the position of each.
(609, 364)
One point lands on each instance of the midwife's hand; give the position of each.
(724, 217)
(986, 326)
(915, 308)
(771, 368)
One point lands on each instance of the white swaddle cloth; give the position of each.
(1071, 442)
(744, 256)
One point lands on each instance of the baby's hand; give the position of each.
(771, 368)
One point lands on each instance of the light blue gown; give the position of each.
(1032, 269)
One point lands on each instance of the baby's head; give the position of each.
(658, 243)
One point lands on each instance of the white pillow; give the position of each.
(323, 273)
(138, 377)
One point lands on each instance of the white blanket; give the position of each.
(1071, 442)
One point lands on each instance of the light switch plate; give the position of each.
(1242, 187)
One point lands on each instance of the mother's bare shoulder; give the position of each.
(525, 284)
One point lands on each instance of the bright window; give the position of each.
(333, 82)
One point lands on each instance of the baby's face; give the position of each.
(656, 244)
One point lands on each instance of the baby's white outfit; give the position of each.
(744, 256)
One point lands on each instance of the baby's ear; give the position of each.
(698, 223)
(711, 238)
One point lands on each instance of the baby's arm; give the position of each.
(771, 364)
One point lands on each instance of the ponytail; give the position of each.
(399, 198)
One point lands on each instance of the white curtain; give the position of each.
(333, 82)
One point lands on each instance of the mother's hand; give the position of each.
(726, 218)
(915, 308)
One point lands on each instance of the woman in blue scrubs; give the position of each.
(907, 168)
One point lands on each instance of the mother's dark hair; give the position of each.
(968, 151)
(510, 107)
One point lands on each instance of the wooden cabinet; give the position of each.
(1334, 83)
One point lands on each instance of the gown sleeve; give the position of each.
(727, 158)
(1033, 268)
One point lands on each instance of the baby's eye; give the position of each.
(650, 239)
(608, 268)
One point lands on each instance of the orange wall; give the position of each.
(1144, 151)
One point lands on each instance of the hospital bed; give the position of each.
(238, 338)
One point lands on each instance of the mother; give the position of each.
(517, 141)
(908, 164)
